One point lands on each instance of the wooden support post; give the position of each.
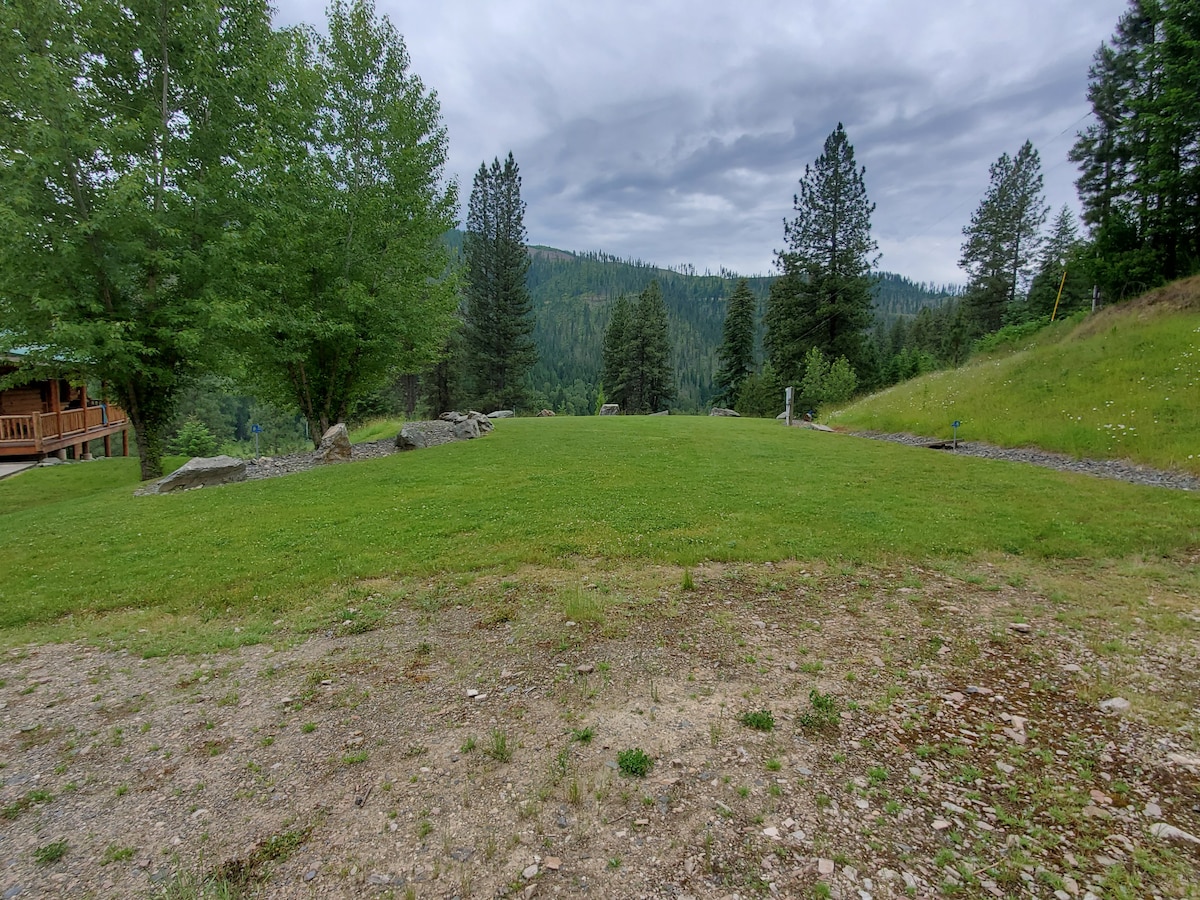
(124, 441)
(56, 408)
(108, 446)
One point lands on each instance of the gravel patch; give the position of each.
(1119, 470)
(274, 466)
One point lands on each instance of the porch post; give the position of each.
(124, 441)
(107, 446)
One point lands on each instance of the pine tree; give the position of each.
(1139, 163)
(824, 297)
(500, 351)
(1060, 256)
(638, 375)
(614, 352)
(1002, 238)
(736, 353)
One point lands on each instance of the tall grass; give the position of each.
(1124, 384)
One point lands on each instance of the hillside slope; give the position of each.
(1122, 384)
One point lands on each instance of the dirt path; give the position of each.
(923, 744)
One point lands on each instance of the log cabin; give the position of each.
(50, 416)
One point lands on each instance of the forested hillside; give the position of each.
(573, 295)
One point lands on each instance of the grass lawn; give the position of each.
(1122, 384)
(243, 561)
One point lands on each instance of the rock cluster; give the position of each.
(447, 428)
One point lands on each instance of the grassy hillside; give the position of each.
(275, 554)
(1123, 384)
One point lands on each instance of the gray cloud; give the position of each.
(676, 131)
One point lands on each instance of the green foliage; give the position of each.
(1002, 239)
(49, 854)
(824, 382)
(736, 353)
(351, 289)
(1010, 334)
(823, 712)
(761, 394)
(498, 311)
(497, 747)
(634, 763)
(194, 439)
(125, 141)
(823, 299)
(583, 735)
(1138, 165)
(637, 354)
(758, 719)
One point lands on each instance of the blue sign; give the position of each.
(257, 429)
(956, 423)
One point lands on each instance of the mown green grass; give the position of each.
(1124, 384)
(675, 490)
(376, 430)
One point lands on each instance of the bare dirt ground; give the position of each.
(467, 744)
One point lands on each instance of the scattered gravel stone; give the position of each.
(1117, 470)
(1115, 705)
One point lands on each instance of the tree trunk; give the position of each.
(149, 435)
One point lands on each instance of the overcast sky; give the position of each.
(675, 131)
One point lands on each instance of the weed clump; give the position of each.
(634, 763)
(758, 719)
(824, 712)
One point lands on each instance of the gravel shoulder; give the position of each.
(1119, 470)
(932, 735)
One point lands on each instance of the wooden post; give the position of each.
(108, 446)
(56, 408)
(124, 441)
(86, 445)
(37, 432)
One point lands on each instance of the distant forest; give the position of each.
(573, 294)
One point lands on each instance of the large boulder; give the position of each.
(609, 409)
(419, 435)
(334, 446)
(501, 414)
(483, 423)
(545, 413)
(662, 412)
(466, 430)
(722, 411)
(201, 471)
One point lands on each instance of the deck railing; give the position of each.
(38, 428)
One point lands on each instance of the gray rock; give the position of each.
(201, 471)
(545, 413)
(501, 414)
(610, 409)
(1115, 705)
(466, 430)
(722, 411)
(335, 446)
(420, 435)
(662, 412)
(1171, 833)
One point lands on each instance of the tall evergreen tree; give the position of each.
(637, 354)
(1140, 160)
(1060, 266)
(614, 352)
(1003, 236)
(498, 312)
(736, 353)
(823, 299)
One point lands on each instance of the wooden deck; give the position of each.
(39, 434)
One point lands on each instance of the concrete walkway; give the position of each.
(12, 468)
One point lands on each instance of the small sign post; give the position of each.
(787, 404)
(257, 429)
(956, 424)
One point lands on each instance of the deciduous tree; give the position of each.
(124, 134)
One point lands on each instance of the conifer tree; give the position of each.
(736, 353)
(1060, 256)
(824, 297)
(1002, 238)
(498, 312)
(637, 348)
(614, 352)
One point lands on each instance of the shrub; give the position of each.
(759, 720)
(194, 439)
